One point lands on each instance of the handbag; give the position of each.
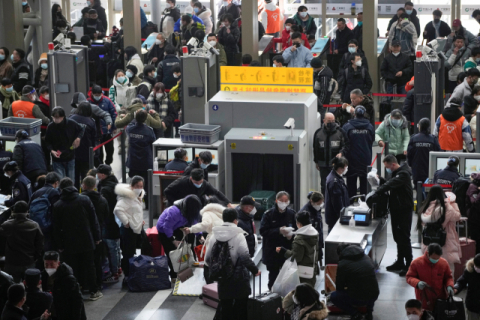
(182, 256)
(185, 273)
(288, 279)
(308, 272)
(450, 309)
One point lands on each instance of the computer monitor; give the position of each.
(9, 145)
(472, 166)
(442, 163)
(213, 152)
(171, 154)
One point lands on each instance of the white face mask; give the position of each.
(158, 41)
(212, 43)
(138, 192)
(283, 205)
(47, 97)
(395, 53)
(159, 95)
(477, 98)
(413, 317)
(274, 65)
(225, 3)
(175, 76)
(50, 271)
(6, 175)
(317, 207)
(254, 210)
(295, 300)
(359, 63)
(303, 14)
(345, 172)
(288, 28)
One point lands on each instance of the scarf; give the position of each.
(47, 102)
(9, 97)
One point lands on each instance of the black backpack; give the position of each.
(434, 233)
(378, 204)
(459, 188)
(221, 264)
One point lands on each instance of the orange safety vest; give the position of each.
(450, 134)
(23, 109)
(273, 18)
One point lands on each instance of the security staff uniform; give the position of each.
(30, 158)
(21, 189)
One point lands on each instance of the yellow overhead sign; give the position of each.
(266, 88)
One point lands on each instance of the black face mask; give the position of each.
(330, 126)
(436, 20)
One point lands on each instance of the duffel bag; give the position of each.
(148, 274)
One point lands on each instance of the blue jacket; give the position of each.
(106, 105)
(171, 219)
(29, 156)
(418, 154)
(89, 137)
(143, 18)
(140, 139)
(336, 197)
(361, 135)
(21, 189)
(176, 27)
(164, 71)
(176, 165)
(299, 59)
(317, 223)
(446, 176)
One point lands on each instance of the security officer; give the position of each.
(450, 174)
(21, 186)
(418, 151)
(5, 156)
(29, 156)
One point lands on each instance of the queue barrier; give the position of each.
(91, 153)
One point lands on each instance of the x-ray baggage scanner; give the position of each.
(469, 162)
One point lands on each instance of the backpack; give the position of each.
(221, 264)
(434, 233)
(41, 212)
(459, 188)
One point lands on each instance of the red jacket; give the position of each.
(438, 276)
(287, 42)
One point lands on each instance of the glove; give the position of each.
(421, 285)
(450, 291)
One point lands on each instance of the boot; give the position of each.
(398, 265)
(404, 271)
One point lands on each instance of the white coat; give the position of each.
(137, 62)
(211, 217)
(206, 17)
(129, 209)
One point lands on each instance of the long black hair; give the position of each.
(130, 51)
(306, 295)
(436, 194)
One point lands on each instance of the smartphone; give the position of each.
(296, 45)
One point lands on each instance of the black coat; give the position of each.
(183, 187)
(350, 79)
(346, 60)
(164, 71)
(342, 39)
(176, 165)
(37, 302)
(430, 34)
(358, 35)
(21, 189)
(336, 197)
(5, 183)
(418, 154)
(195, 165)
(413, 18)
(89, 137)
(229, 41)
(326, 145)
(140, 140)
(24, 240)
(30, 158)
(233, 10)
(75, 224)
(102, 16)
(245, 221)
(101, 206)
(142, 88)
(11, 312)
(270, 226)
(391, 65)
(401, 191)
(91, 27)
(360, 134)
(6, 281)
(106, 187)
(470, 106)
(67, 298)
(60, 137)
(38, 84)
(409, 105)
(317, 223)
(446, 176)
(53, 197)
(471, 279)
(21, 75)
(356, 274)
(157, 52)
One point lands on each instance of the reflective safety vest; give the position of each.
(450, 134)
(23, 109)
(273, 18)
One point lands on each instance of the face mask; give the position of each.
(317, 207)
(254, 210)
(352, 49)
(331, 126)
(47, 97)
(159, 95)
(436, 20)
(303, 14)
(204, 166)
(158, 41)
(50, 271)
(129, 74)
(9, 89)
(349, 109)
(225, 3)
(6, 175)
(477, 98)
(195, 10)
(2, 57)
(155, 75)
(89, 3)
(395, 53)
(388, 170)
(283, 205)
(97, 97)
(34, 97)
(295, 300)
(120, 79)
(345, 172)
(396, 122)
(288, 28)
(274, 65)
(360, 23)
(477, 269)
(24, 3)
(11, 57)
(359, 63)
(198, 186)
(433, 260)
(138, 192)
(44, 66)
(63, 30)
(413, 317)
(175, 76)
(212, 43)
(409, 12)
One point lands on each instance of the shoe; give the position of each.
(125, 281)
(111, 279)
(95, 296)
(357, 316)
(369, 316)
(404, 271)
(200, 296)
(396, 266)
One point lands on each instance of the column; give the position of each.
(370, 14)
(156, 11)
(132, 34)
(12, 18)
(250, 28)
(111, 15)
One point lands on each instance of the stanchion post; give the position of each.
(369, 187)
(150, 198)
(90, 158)
(418, 244)
(123, 157)
(379, 164)
(386, 175)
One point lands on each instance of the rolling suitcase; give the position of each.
(267, 306)
(265, 200)
(210, 295)
(468, 247)
(157, 248)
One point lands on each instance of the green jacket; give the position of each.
(304, 246)
(152, 121)
(222, 58)
(397, 138)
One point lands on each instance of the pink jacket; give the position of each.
(451, 250)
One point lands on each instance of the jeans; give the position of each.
(234, 308)
(401, 225)
(390, 86)
(114, 256)
(81, 169)
(65, 169)
(352, 185)
(341, 299)
(83, 265)
(128, 243)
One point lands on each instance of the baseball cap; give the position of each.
(456, 23)
(247, 201)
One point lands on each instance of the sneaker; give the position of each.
(396, 266)
(95, 296)
(112, 279)
(369, 316)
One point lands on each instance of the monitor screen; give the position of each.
(441, 163)
(471, 166)
(360, 217)
(213, 152)
(171, 154)
(9, 145)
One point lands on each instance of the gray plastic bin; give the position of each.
(9, 126)
(199, 133)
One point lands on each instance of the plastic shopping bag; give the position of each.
(182, 257)
(288, 279)
(372, 178)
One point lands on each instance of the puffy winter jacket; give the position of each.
(460, 92)
(317, 223)
(118, 93)
(211, 217)
(350, 79)
(106, 105)
(342, 37)
(129, 208)
(89, 137)
(136, 61)
(106, 187)
(152, 120)
(473, 200)
(436, 275)
(327, 144)
(229, 40)
(171, 219)
(400, 187)
(446, 176)
(392, 64)
(97, 113)
(317, 312)
(206, 16)
(471, 279)
(397, 138)
(471, 41)
(164, 71)
(460, 58)
(451, 250)
(60, 137)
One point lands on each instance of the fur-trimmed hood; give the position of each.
(215, 208)
(288, 306)
(470, 266)
(123, 190)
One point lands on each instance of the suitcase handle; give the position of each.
(465, 221)
(259, 286)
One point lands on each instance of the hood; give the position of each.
(134, 107)
(121, 85)
(110, 181)
(205, 14)
(123, 190)
(64, 270)
(215, 208)
(78, 98)
(271, 6)
(307, 230)
(318, 314)
(352, 252)
(470, 266)
(361, 123)
(452, 114)
(227, 231)
(135, 57)
(451, 197)
(404, 168)
(69, 193)
(190, 203)
(388, 122)
(19, 216)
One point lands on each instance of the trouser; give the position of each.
(401, 226)
(390, 89)
(273, 271)
(342, 299)
(17, 272)
(114, 256)
(472, 315)
(352, 184)
(98, 256)
(81, 170)
(169, 246)
(324, 172)
(109, 149)
(231, 59)
(330, 227)
(233, 309)
(83, 266)
(47, 153)
(206, 274)
(65, 169)
(128, 244)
